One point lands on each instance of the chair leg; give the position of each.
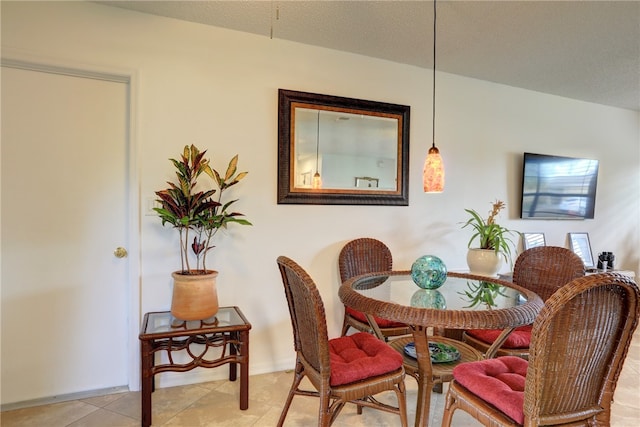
(345, 326)
(325, 415)
(297, 378)
(335, 409)
(400, 391)
(449, 407)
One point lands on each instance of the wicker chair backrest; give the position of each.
(578, 345)
(545, 269)
(308, 317)
(364, 255)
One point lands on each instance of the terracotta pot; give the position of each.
(195, 296)
(484, 262)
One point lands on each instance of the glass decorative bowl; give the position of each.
(428, 272)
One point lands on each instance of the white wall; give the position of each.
(218, 89)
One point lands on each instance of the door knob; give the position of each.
(120, 252)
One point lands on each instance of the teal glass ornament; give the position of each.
(428, 298)
(428, 272)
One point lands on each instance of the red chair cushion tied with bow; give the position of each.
(359, 356)
(520, 338)
(498, 381)
(382, 323)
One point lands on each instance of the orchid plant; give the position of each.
(490, 234)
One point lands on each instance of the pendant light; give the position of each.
(317, 181)
(433, 172)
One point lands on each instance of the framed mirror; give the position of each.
(341, 151)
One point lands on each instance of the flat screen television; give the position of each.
(555, 187)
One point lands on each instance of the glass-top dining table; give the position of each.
(464, 301)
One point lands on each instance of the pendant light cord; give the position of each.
(277, 8)
(433, 126)
(317, 140)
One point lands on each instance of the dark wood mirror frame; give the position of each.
(290, 193)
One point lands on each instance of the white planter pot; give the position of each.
(484, 262)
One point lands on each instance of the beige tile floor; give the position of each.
(216, 404)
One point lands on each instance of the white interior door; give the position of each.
(64, 211)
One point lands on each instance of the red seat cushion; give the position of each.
(359, 356)
(499, 381)
(383, 323)
(519, 338)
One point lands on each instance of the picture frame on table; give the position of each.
(532, 240)
(581, 246)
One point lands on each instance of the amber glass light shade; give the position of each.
(317, 181)
(433, 173)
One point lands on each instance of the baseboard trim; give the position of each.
(165, 379)
(63, 398)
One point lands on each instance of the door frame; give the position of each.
(15, 58)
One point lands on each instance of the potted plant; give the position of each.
(198, 212)
(493, 242)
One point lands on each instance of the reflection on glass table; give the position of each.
(457, 293)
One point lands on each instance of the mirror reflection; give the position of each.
(347, 150)
(335, 150)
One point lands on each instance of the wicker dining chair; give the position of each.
(578, 345)
(542, 269)
(360, 256)
(345, 369)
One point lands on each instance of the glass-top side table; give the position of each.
(161, 333)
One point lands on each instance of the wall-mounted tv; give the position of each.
(555, 187)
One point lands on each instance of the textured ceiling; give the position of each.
(586, 50)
